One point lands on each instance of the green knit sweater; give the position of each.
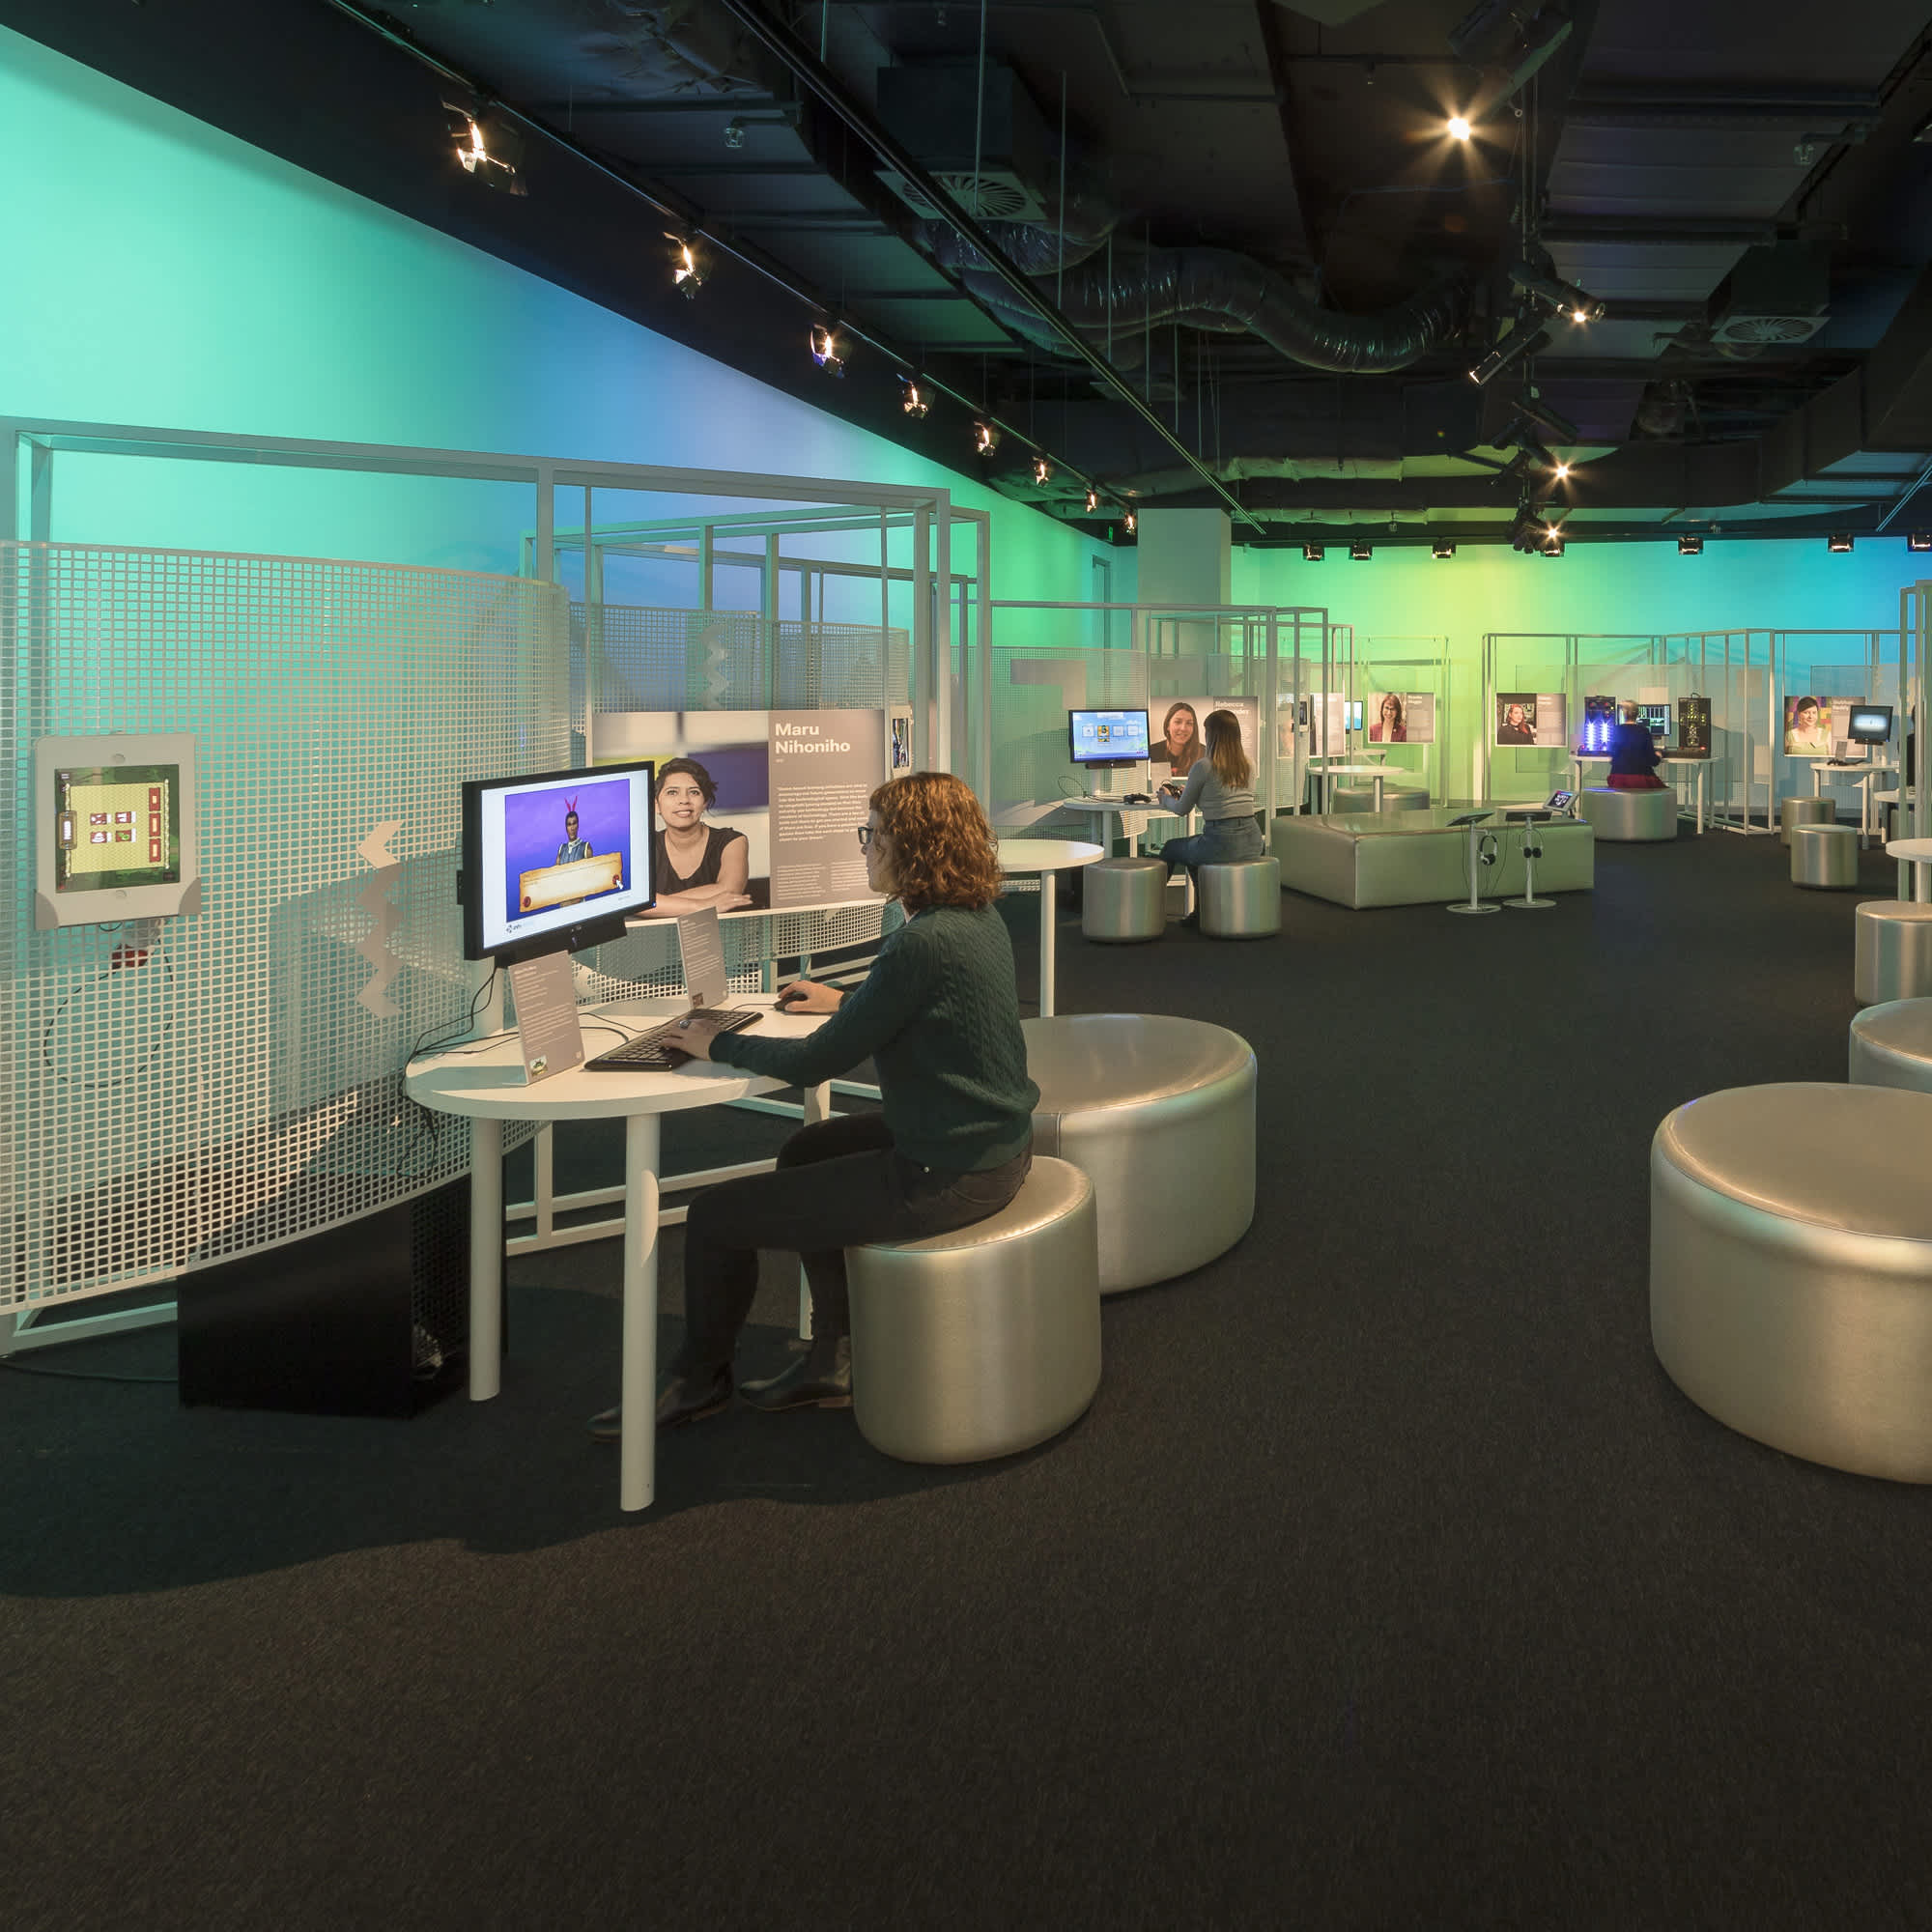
(940, 1018)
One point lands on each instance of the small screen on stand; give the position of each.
(1656, 718)
(553, 861)
(1869, 724)
(1107, 738)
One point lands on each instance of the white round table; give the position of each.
(1915, 853)
(1131, 816)
(1048, 857)
(1377, 772)
(485, 1081)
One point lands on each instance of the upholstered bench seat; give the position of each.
(1411, 857)
(1891, 1045)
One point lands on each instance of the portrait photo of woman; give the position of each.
(1516, 723)
(1389, 727)
(1179, 745)
(1807, 727)
(694, 864)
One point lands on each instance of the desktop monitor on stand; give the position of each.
(1108, 741)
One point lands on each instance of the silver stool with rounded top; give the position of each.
(1159, 1113)
(1356, 798)
(1123, 901)
(1891, 954)
(982, 1342)
(1892, 1046)
(1824, 855)
(1793, 813)
(1240, 899)
(1791, 1269)
(1629, 817)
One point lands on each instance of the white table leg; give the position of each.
(817, 1107)
(1375, 784)
(1050, 903)
(486, 1260)
(636, 1447)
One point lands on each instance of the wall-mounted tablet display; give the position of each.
(1807, 726)
(1532, 718)
(117, 835)
(1869, 724)
(1107, 738)
(555, 861)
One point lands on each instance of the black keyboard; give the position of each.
(656, 1052)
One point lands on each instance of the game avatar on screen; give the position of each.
(116, 827)
(565, 844)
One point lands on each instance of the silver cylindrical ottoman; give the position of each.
(1159, 1114)
(1240, 899)
(1795, 811)
(1891, 957)
(1825, 856)
(1630, 818)
(1124, 899)
(1892, 1046)
(985, 1341)
(1791, 1269)
(1362, 798)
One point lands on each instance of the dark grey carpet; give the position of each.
(1388, 1581)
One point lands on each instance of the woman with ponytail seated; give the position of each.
(1633, 755)
(1222, 784)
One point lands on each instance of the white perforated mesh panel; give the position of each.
(234, 1091)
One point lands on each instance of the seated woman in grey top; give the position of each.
(1222, 785)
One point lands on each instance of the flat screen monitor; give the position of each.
(1103, 738)
(555, 861)
(1655, 719)
(1869, 724)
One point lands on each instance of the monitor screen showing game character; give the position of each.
(1107, 738)
(544, 857)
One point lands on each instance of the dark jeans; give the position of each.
(838, 1184)
(1220, 840)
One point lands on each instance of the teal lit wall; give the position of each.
(166, 274)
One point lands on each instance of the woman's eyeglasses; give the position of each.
(865, 838)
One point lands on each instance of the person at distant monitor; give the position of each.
(1519, 725)
(573, 847)
(1389, 727)
(1633, 753)
(950, 1144)
(1222, 784)
(696, 865)
(1179, 747)
(1807, 730)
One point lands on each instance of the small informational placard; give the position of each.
(825, 765)
(1693, 727)
(547, 1022)
(701, 940)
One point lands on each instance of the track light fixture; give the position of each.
(914, 401)
(1313, 552)
(1528, 531)
(1689, 546)
(1042, 471)
(1532, 409)
(826, 348)
(685, 275)
(1520, 342)
(1919, 540)
(1838, 542)
(1134, 523)
(1441, 550)
(985, 438)
(1092, 501)
(1566, 298)
(1458, 127)
(1553, 545)
(488, 148)
(1361, 552)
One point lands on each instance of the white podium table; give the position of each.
(1861, 775)
(1914, 854)
(1048, 857)
(485, 1081)
(1132, 817)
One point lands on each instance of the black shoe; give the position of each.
(810, 1383)
(1192, 918)
(683, 1398)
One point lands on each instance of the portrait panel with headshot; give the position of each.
(1807, 727)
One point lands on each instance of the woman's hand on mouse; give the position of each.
(808, 996)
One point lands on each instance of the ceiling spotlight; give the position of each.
(1552, 545)
(1521, 341)
(1689, 546)
(1313, 552)
(915, 402)
(685, 275)
(1838, 541)
(1528, 531)
(1565, 298)
(1534, 409)
(1562, 471)
(486, 147)
(1134, 523)
(1919, 540)
(1458, 127)
(825, 349)
(1042, 471)
(1361, 552)
(985, 438)
(1092, 501)
(1441, 550)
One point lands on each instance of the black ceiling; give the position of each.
(1265, 269)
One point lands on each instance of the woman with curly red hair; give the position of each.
(939, 1018)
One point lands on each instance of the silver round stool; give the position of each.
(1240, 899)
(1892, 1046)
(1629, 817)
(1159, 1114)
(1123, 901)
(1825, 856)
(1793, 813)
(1791, 1269)
(1356, 798)
(982, 1342)
(1892, 956)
